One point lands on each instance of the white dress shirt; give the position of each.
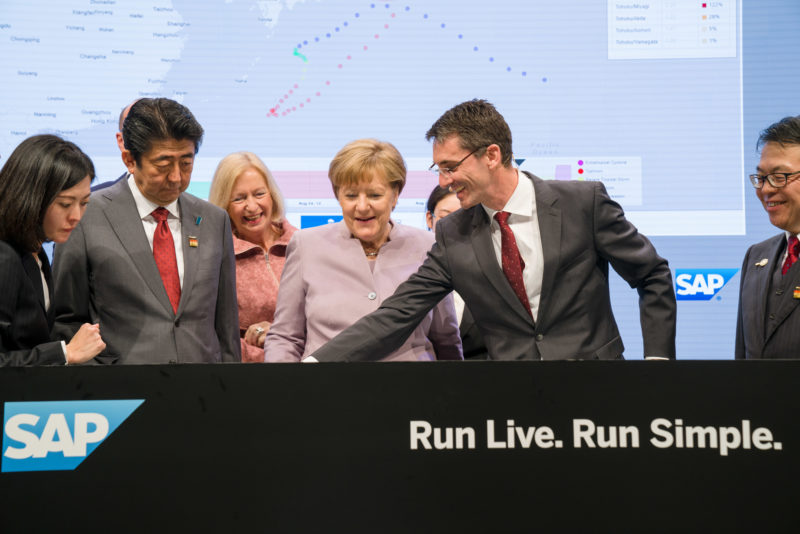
(146, 208)
(525, 226)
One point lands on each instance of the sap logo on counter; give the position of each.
(58, 435)
(701, 284)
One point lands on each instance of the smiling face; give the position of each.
(64, 213)
(471, 181)
(366, 207)
(250, 207)
(782, 204)
(164, 171)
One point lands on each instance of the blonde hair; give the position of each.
(360, 160)
(230, 168)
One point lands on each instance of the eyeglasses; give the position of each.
(775, 179)
(448, 171)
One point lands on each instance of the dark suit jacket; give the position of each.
(755, 336)
(471, 338)
(106, 273)
(107, 184)
(582, 231)
(24, 323)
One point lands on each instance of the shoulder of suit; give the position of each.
(767, 245)
(204, 206)
(7, 251)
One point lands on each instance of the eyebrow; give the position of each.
(71, 197)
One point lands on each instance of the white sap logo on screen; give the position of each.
(700, 284)
(58, 435)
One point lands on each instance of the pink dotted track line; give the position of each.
(283, 107)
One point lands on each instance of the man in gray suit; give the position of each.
(152, 264)
(768, 324)
(536, 280)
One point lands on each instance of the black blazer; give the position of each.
(24, 323)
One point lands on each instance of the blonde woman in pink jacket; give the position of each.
(245, 188)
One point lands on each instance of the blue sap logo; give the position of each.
(58, 435)
(700, 284)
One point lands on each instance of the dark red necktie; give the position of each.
(512, 261)
(164, 254)
(793, 249)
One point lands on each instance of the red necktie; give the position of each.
(164, 254)
(513, 263)
(793, 249)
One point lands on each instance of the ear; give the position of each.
(130, 163)
(429, 220)
(494, 156)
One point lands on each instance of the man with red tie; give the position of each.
(768, 324)
(529, 257)
(152, 264)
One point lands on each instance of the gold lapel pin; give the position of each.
(796, 293)
(192, 241)
(762, 262)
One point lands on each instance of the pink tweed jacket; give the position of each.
(257, 279)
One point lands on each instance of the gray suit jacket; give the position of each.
(755, 336)
(106, 274)
(582, 230)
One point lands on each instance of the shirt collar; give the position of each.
(521, 201)
(144, 206)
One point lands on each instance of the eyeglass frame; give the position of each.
(758, 179)
(448, 171)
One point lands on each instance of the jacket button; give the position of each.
(539, 337)
(372, 296)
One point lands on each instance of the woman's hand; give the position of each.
(85, 344)
(256, 333)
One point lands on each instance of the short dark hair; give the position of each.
(436, 196)
(785, 132)
(158, 119)
(477, 124)
(36, 172)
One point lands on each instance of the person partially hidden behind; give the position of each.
(152, 264)
(44, 190)
(529, 257)
(768, 322)
(337, 273)
(244, 187)
(441, 203)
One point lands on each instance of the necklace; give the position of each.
(370, 253)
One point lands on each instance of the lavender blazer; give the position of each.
(327, 285)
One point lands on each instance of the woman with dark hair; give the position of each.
(44, 189)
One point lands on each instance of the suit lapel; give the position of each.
(127, 225)
(191, 227)
(484, 252)
(761, 279)
(787, 304)
(549, 216)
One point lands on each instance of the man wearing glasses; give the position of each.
(529, 257)
(768, 324)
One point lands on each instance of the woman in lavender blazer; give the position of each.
(336, 274)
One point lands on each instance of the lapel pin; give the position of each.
(197, 222)
(796, 293)
(192, 241)
(762, 262)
